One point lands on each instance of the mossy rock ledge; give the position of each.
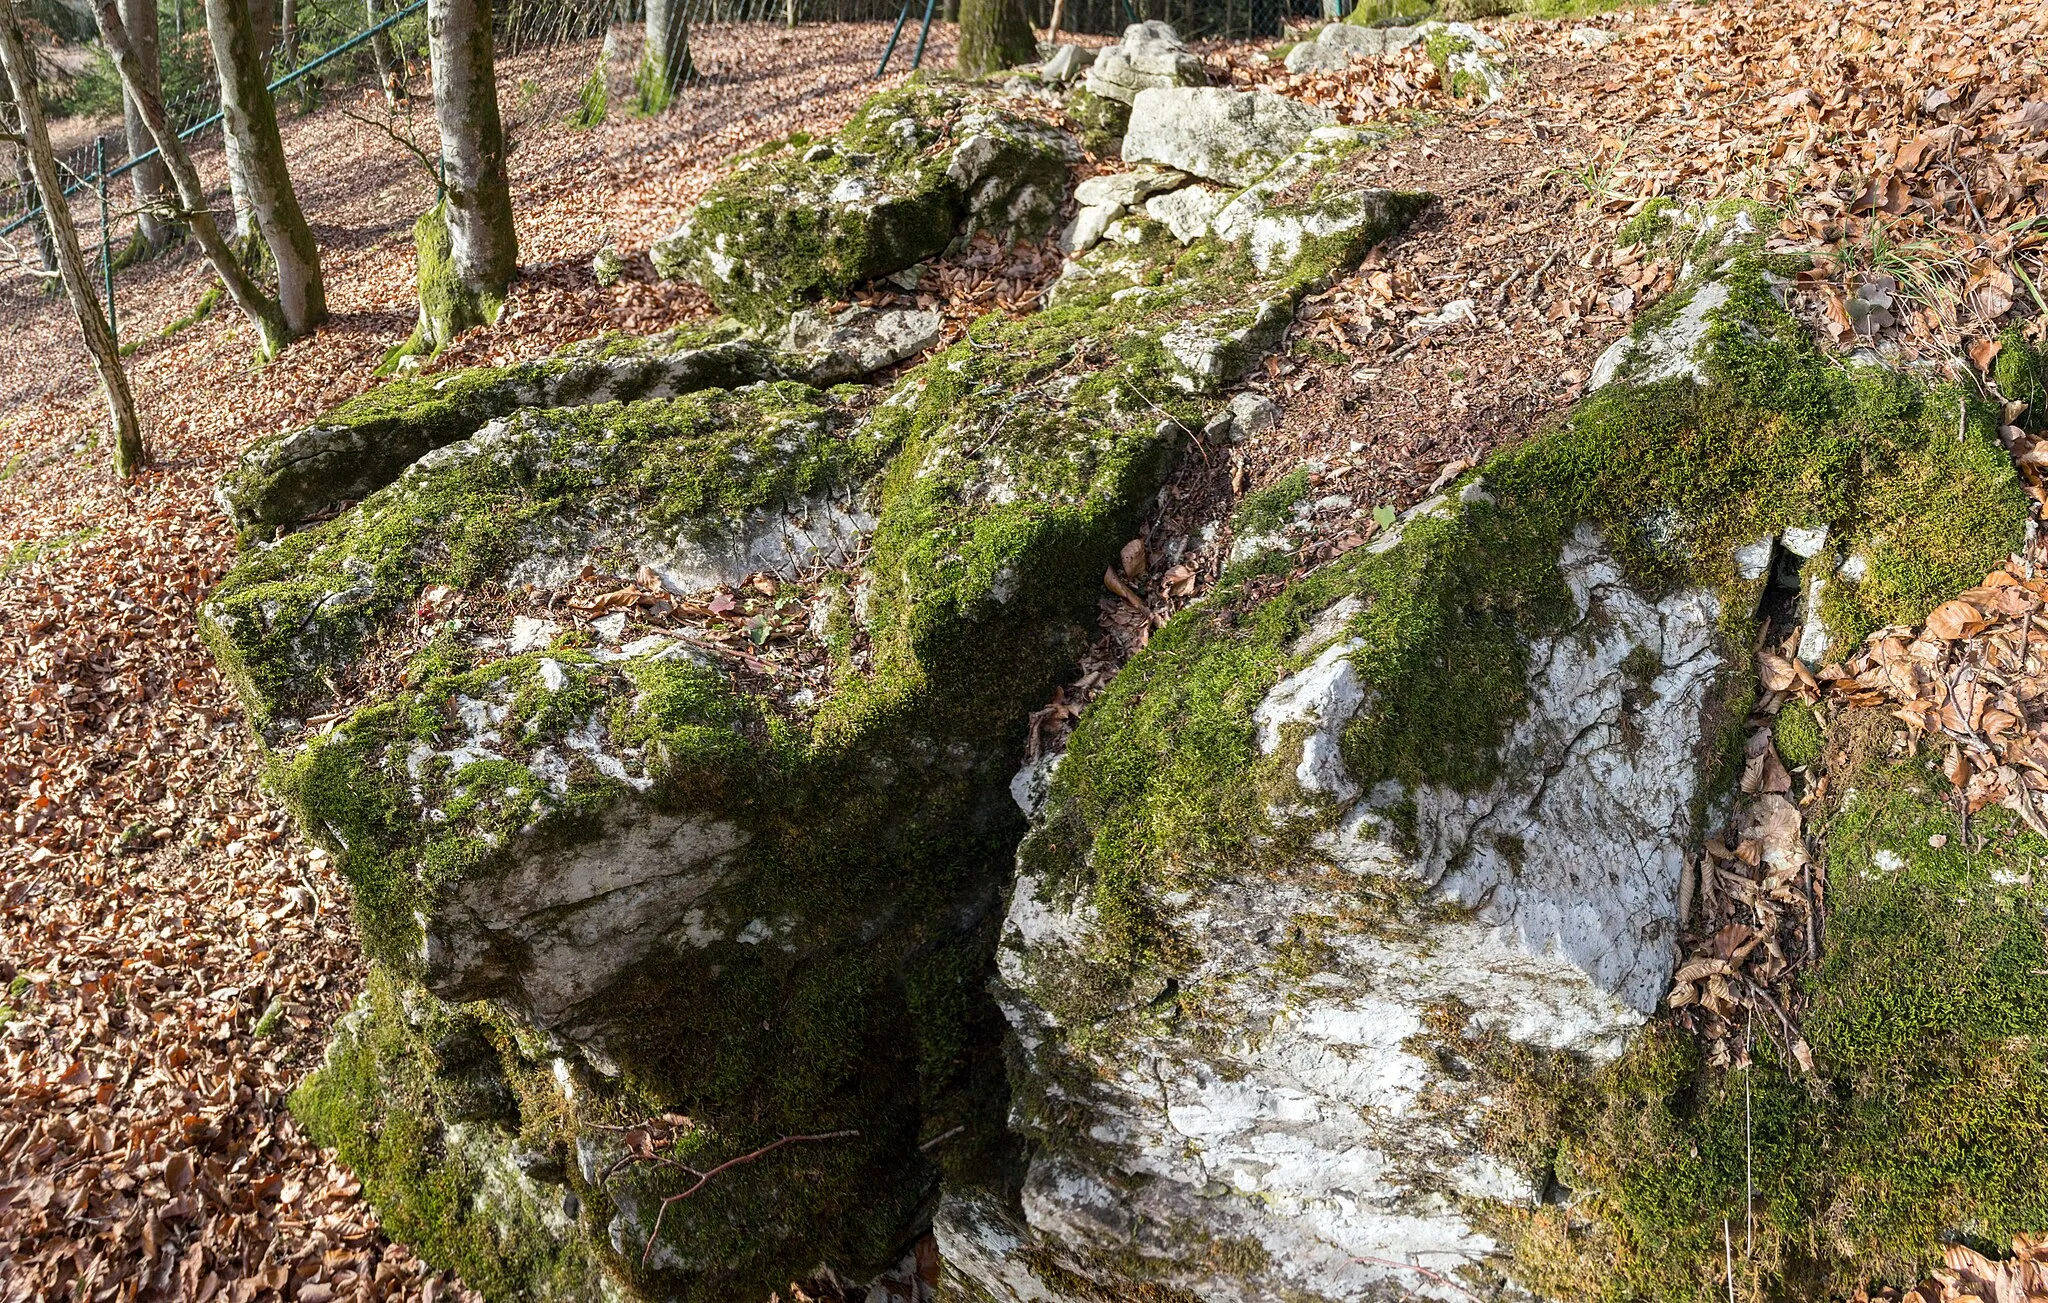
(805, 218)
(619, 882)
(1335, 948)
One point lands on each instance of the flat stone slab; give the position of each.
(1230, 136)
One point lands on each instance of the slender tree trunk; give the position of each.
(468, 252)
(994, 35)
(146, 179)
(666, 59)
(129, 453)
(288, 36)
(239, 183)
(1052, 29)
(262, 312)
(251, 122)
(24, 178)
(384, 55)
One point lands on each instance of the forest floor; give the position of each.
(157, 912)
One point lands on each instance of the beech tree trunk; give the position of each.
(468, 252)
(147, 180)
(262, 312)
(288, 37)
(250, 122)
(384, 55)
(25, 181)
(238, 175)
(994, 35)
(665, 61)
(129, 452)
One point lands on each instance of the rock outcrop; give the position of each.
(624, 862)
(1149, 57)
(365, 443)
(1326, 881)
(914, 170)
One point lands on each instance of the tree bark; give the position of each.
(24, 179)
(250, 121)
(262, 312)
(129, 452)
(665, 61)
(238, 168)
(146, 179)
(288, 36)
(384, 55)
(994, 35)
(468, 263)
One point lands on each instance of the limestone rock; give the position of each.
(1187, 211)
(1338, 44)
(857, 342)
(365, 443)
(910, 172)
(1086, 229)
(1223, 135)
(1593, 38)
(1370, 42)
(1149, 56)
(1067, 63)
(1314, 56)
(1318, 1130)
(1302, 200)
(1126, 189)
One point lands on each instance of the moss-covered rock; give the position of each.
(1925, 1121)
(672, 886)
(362, 445)
(1309, 852)
(805, 218)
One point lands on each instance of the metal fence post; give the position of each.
(894, 32)
(918, 60)
(99, 161)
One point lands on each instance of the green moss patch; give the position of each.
(802, 219)
(1163, 783)
(368, 441)
(290, 615)
(1926, 1123)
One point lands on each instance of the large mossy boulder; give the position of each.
(807, 218)
(644, 901)
(1331, 950)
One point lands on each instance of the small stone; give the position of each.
(1125, 189)
(1753, 559)
(1593, 38)
(1085, 231)
(610, 627)
(1187, 212)
(818, 153)
(1804, 542)
(1314, 56)
(552, 676)
(530, 633)
(1067, 63)
(1253, 415)
(607, 267)
(857, 342)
